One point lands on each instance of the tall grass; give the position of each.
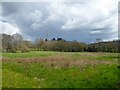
(60, 70)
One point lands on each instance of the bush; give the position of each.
(24, 48)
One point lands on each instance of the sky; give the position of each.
(84, 20)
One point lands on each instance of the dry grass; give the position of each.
(62, 61)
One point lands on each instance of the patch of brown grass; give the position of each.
(61, 61)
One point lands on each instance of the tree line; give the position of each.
(16, 43)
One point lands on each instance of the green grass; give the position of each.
(27, 55)
(76, 55)
(96, 56)
(41, 74)
(14, 79)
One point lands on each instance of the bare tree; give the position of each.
(17, 39)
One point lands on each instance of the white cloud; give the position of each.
(35, 26)
(83, 15)
(36, 19)
(98, 15)
(9, 28)
(35, 16)
(89, 18)
(95, 32)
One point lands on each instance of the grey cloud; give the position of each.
(49, 24)
(9, 8)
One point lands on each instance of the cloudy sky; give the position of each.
(84, 20)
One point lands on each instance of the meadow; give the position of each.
(45, 69)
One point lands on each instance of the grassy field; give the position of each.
(60, 70)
